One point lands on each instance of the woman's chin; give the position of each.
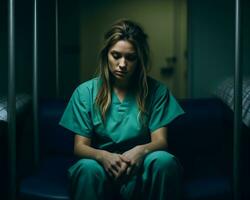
(121, 77)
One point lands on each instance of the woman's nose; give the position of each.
(122, 63)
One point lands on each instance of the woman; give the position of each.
(120, 123)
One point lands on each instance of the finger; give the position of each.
(123, 168)
(129, 170)
(120, 162)
(112, 173)
(119, 174)
(125, 159)
(109, 173)
(117, 163)
(115, 174)
(115, 167)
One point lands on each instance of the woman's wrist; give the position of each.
(152, 146)
(99, 155)
(144, 149)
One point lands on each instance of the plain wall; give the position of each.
(211, 30)
(24, 46)
(3, 49)
(69, 46)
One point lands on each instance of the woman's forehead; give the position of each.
(123, 46)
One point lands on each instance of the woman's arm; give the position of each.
(82, 148)
(158, 141)
(137, 154)
(114, 164)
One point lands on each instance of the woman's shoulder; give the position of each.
(155, 86)
(88, 89)
(89, 85)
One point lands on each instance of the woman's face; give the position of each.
(122, 60)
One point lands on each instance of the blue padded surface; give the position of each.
(50, 181)
(201, 138)
(50, 113)
(201, 129)
(3, 179)
(210, 188)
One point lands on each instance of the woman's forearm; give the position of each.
(153, 146)
(85, 151)
(158, 141)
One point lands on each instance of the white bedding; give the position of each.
(225, 91)
(21, 101)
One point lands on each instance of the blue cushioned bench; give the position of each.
(49, 180)
(201, 139)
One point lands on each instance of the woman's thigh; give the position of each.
(161, 160)
(87, 169)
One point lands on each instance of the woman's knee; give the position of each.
(87, 167)
(164, 161)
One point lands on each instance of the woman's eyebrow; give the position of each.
(114, 51)
(128, 53)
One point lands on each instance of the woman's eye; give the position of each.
(131, 57)
(116, 55)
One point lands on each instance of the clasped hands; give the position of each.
(123, 165)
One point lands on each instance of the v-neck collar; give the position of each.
(117, 100)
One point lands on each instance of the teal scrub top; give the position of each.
(122, 129)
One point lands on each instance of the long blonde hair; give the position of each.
(130, 31)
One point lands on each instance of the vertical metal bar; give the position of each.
(57, 50)
(237, 103)
(190, 45)
(176, 47)
(11, 103)
(35, 89)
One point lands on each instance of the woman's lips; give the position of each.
(120, 73)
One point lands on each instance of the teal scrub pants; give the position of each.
(159, 178)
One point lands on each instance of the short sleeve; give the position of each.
(77, 116)
(164, 109)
